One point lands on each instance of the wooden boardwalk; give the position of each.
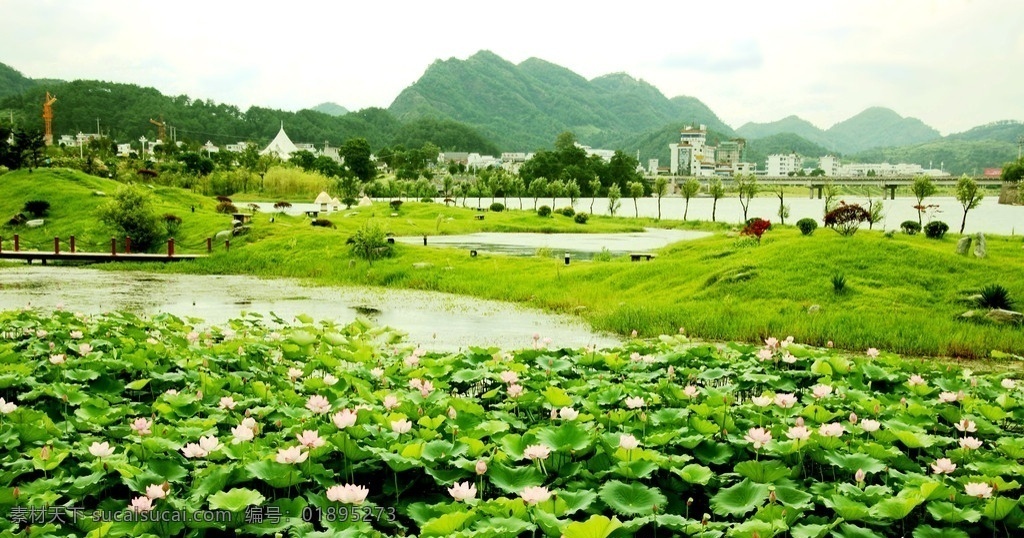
(94, 257)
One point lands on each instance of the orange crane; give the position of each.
(48, 119)
(161, 131)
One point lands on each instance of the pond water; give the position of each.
(989, 217)
(437, 321)
(579, 246)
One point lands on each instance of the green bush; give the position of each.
(910, 227)
(130, 211)
(497, 207)
(395, 204)
(323, 223)
(936, 229)
(427, 200)
(846, 219)
(349, 202)
(605, 255)
(37, 208)
(995, 296)
(839, 283)
(171, 223)
(544, 211)
(581, 218)
(370, 242)
(567, 211)
(227, 208)
(807, 225)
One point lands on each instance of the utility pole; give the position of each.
(1020, 145)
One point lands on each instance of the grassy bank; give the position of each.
(903, 293)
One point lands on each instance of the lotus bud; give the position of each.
(799, 421)
(771, 496)
(277, 423)
(554, 414)
(452, 413)
(859, 476)
(643, 416)
(689, 501)
(420, 411)
(877, 409)
(481, 467)
(853, 418)
(44, 454)
(16, 493)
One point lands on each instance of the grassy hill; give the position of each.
(879, 127)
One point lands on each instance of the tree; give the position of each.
(613, 199)
(875, 214)
(636, 190)
(689, 189)
(1013, 172)
(660, 190)
(846, 219)
(572, 190)
(517, 188)
(831, 193)
(922, 188)
(555, 189)
(595, 189)
(356, 152)
(717, 191)
(969, 196)
(780, 191)
(28, 148)
(747, 186)
(538, 187)
(130, 211)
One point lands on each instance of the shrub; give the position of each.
(605, 255)
(370, 242)
(936, 229)
(172, 223)
(846, 219)
(890, 234)
(254, 208)
(282, 205)
(910, 227)
(427, 200)
(838, 283)
(995, 296)
(17, 220)
(349, 202)
(224, 199)
(756, 227)
(544, 211)
(497, 207)
(37, 208)
(226, 208)
(581, 218)
(323, 223)
(131, 213)
(395, 204)
(807, 226)
(567, 211)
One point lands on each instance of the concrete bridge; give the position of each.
(817, 184)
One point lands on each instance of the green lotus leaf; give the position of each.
(566, 437)
(447, 524)
(279, 475)
(442, 450)
(557, 397)
(633, 499)
(997, 508)
(854, 462)
(927, 531)
(809, 531)
(236, 499)
(793, 498)
(847, 508)
(852, 531)
(763, 472)
(695, 474)
(635, 469)
(951, 513)
(570, 502)
(739, 499)
(899, 506)
(713, 452)
(754, 528)
(596, 527)
(512, 480)
(502, 526)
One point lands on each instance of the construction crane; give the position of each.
(161, 131)
(48, 119)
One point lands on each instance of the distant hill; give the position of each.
(1004, 131)
(954, 156)
(791, 125)
(524, 107)
(879, 128)
(12, 82)
(331, 109)
(758, 150)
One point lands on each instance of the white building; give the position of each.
(281, 145)
(652, 166)
(830, 164)
(475, 160)
(692, 156)
(781, 165)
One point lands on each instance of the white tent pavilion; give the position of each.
(281, 146)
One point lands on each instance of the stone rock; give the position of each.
(1005, 317)
(222, 235)
(963, 246)
(980, 251)
(970, 315)
(99, 193)
(35, 223)
(241, 230)
(813, 308)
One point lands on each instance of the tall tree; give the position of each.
(538, 187)
(572, 190)
(555, 189)
(747, 186)
(356, 152)
(595, 189)
(660, 190)
(636, 190)
(614, 194)
(717, 192)
(780, 192)
(969, 196)
(689, 189)
(922, 188)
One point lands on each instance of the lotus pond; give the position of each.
(318, 429)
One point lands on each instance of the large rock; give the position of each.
(1005, 317)
(963, 246)
(979, 249)
(35, 223)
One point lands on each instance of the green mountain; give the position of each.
(879, 128)
(331, 109)
(524, 107)
(954, 156)
(759, 149)
(695, 112)
(790, 124)
(12, 81)
(1004, 131)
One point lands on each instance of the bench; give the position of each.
(637, 256)
(312, 214)
(478, 217)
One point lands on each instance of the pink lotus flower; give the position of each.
(142, 426)
(832, 429)
(798, 433)
(509, 377)
(966, 426)
(249, 422)
(788, 358)
(628, 442)
(515, 391)
(310, 439)
(291, 455)
(634, 356)
(785, 400)
(192, 337)
(241, 434)
(101, 450)
(344, 418)
(41, 333)
(821, 391)
(227, 402)
(978, 489)
(537, 452)
(634, 402)
(970, 443)
(156, 491)
(1008, 384)
(57, 359)
(192, 450)
(535, 494)
(294, 374)
(209, 443)
(943, 466)
(870, 425)
(348, 494)
(762, 401)
(426, 388)
(771, 342)
(76, 335)
(416, 383)
(916, 380)
(390, 402)
(764, 354)
(377, 372)
(690, 391)
(330, 380)
(84, 349)
(318, 404)
(462, 491)
(568, 413)
(141, 504)
(401, 426)
(948, 397)
(481, 467)
(758, 437)
(412, 360)
(830, 344)
(872, 353)
(859, 476)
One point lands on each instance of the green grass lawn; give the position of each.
(903, 293)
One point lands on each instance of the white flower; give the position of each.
(943, 466)
(348, 494)
(390, 402)
(291, 455)
(209, 443)
(872, 352)
(870, 425)
(76, 335)
(101, 450)
(401, 426)
(634, 402)
(294, 373)
(821, 391)
(193, 450)
(57, 359)
(156, 491)
(948, 397)
(509, 377)
(142, 426)
(788, 358)
(916, 380)
(785, 400)
(462, 491)
(798, 433)
(691, 391)
(537, 452)
(249, 422)
(310, 439)
(970, 443)
(7, 407)
(833, 429)
(227, 402)
(761, 401)
(344, 418)
(515, 391)
(412, 360)
(535, 494)
(141, 504)
(568, 413)
(241, 434)
(966, 426)
(771, 342)
(377, 372)
(764, 354)
(758, 437)
(318, 404)
(1008, 384)
(330, 380)
(978, 489)
(628, 442)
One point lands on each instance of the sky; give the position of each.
(953, 64)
